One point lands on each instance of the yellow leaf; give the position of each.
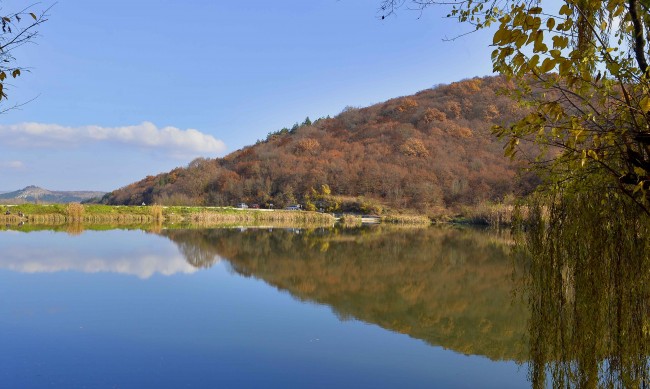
(498, 36)
(565, 10)
(645, 104)
(550, 23)
(521, 40)
(639, 171)
(559, 42)
(533, 61)
(565, 66)
(547, 65)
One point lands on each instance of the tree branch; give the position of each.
(639, 42)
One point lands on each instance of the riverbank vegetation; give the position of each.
(496, 215)
(124, 215)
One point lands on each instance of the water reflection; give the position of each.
(582, 321)
(122, 252)
(448, 287)
(588, 322)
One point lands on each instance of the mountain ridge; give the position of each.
(33, 193)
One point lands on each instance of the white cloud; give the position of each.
(184, 143)
(14, 165)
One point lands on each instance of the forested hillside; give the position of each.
(423, 152)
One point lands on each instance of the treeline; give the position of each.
(423, 152)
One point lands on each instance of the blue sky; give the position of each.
(126, 89)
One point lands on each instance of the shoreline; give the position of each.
(93, 214)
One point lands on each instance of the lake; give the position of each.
(190, 308)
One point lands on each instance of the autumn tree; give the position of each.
(582, 68)
(18, 28)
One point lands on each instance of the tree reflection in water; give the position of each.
(588, 292)
(587, 289)
(446, 286)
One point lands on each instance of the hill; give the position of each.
(34, 194)
(422, 152)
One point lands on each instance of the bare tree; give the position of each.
(18, 29)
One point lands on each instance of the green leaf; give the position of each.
(33, 15)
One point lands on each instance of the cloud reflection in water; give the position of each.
(123, 252)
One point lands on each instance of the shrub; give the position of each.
(75, 212)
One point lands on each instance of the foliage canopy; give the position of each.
(582, 66)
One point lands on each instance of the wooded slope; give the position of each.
(433, 149)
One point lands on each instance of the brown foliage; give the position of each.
(433, 115)
(414, 148)
(422, 152)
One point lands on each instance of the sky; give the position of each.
(118, 90)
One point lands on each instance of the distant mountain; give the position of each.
(35, 194)
(423, 152)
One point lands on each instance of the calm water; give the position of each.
(260, 308)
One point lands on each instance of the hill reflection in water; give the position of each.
(446, 286)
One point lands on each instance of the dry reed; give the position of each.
(490, 214)
(74, 212)
(157, 212)
(350, 220)
(406, 219)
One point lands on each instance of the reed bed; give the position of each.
(76, 213)
(257, 217)
(157, 212)
(10, 219)
(90, 219)
(406, 219)
(348, 220)
(118, 219)
(488, 214)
